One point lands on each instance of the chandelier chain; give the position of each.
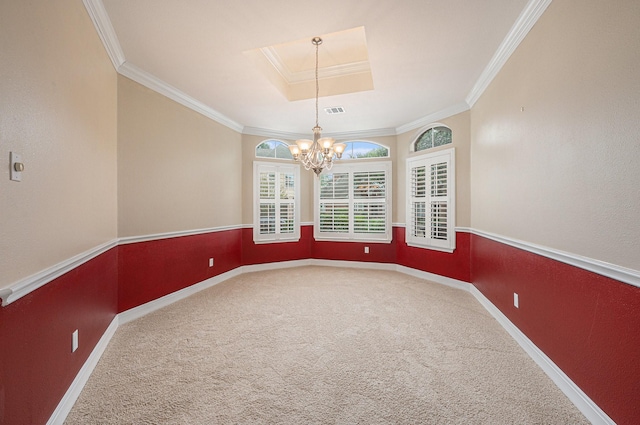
(317, 86)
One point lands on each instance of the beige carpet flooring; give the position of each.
(320, 345)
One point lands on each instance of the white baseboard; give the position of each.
(151, 306)
(68, 400)
(274, 266)
(588, 408)
(442, 280)
(353, 264)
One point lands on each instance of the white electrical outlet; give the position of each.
(366, 249)
(516, 303)
(210, 262)
(74, 341)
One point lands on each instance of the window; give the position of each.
(273, 149)
(276, 205)
(353, 202)
(437, 135)
(361, 149)
(431, 201)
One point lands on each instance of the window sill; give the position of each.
(276, 241)
(351, 239)
(433, 248)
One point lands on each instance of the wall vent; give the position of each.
(334, 110)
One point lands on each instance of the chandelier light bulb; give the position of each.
(326, 142)
(304, 145)
(339, 148)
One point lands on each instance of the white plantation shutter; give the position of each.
(369, 209)
(267, 198)
(287, 218)
(369, 218)
(431, 201)
(354, 203)
(334, 217)
(276, 202)
(334, 212)
(439, 200)
(288, 197)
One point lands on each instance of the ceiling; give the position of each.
(425, 57)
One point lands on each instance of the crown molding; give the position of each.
(102, 23)
(344, 135)
(334, 71)
(362, 134)
(273, 134)
(154, 83)
(436, 116)
(271, 54)
(527, 19)
(276, 62)
(105, 30)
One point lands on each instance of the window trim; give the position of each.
(258, 238)
(429, 157)
(351, 167)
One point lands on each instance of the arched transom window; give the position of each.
(359, 149)
(437, 135)
(273, 149)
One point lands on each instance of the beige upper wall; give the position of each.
(461, 139)
(58, 109)
(565, 172)
(177, 169)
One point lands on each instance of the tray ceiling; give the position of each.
(417, 58)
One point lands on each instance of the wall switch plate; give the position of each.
(210, 262)
(16, 163)
(74, 341)
(366, 249)
(516, 302)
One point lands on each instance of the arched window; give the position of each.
(436, 135)
(359, 149)
(273, 149)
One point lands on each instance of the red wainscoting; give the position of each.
(455, 265)
(354, 251)
(586, 323)
(274, 252)
(36, 363)
(150, 270)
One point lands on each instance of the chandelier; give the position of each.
(319, 153)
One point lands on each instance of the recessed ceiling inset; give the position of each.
(291, 66)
